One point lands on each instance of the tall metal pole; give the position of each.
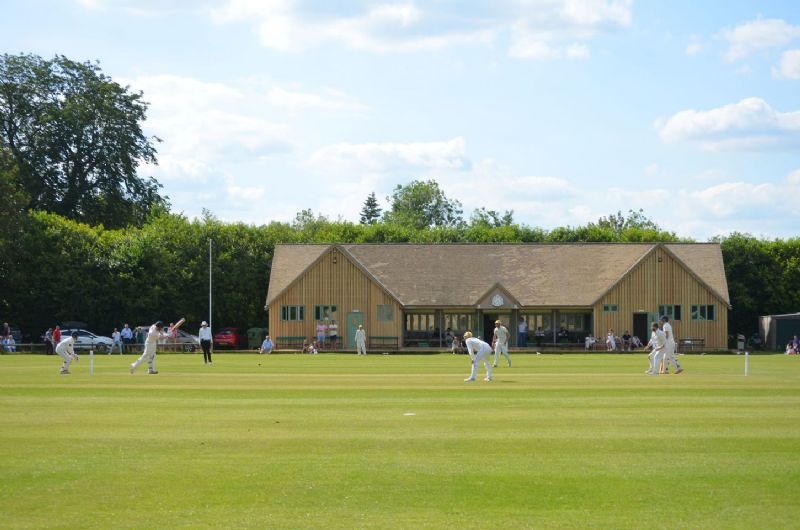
(210, 322)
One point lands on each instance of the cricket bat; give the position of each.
(178, 324)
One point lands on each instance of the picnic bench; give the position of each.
(384, 343)
(685, 345)
(290, 343)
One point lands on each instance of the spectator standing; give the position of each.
(321, 329)
(56, 336)
(267, 346)
(205, 341)
(116, 336)
(6, 329)
(522, 333)
(333, 333)
(48, 342)
(127, 336)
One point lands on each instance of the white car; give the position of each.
(88, 341)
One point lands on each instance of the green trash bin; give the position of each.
(255, 336)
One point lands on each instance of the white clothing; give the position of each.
(204, 333)
(501, 345)
(66, 350)
(150, 346)
(116, 336)
(523, 327)
(669, 350)
(479, 350)
(361, 342)
(658, 342)
(589, 341)
(611, 342)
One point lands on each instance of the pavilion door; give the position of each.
(641, 327)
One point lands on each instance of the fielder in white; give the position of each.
(154, 334)
(361, 341)
(66, 349)
(669, 351)
(658, 342)
(501, 342)
(478, 351)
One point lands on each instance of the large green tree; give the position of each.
(422, 204)
(77, 139)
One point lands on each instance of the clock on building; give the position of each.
(497, 300)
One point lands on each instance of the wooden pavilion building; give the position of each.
(408, 295)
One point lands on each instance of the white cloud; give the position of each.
(329, 99)
(749, 124)
(794, 177)
(757, 35)
(693, 48)
(391, 157)
(204, 123)
(789, 67)
(288, 26)
(539, 28)
(554, 29)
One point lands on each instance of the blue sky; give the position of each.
(562, 110)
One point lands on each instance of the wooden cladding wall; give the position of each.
(334, 280)
(658, 280)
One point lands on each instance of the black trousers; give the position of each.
(206, 345)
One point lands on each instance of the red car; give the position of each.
(229, 338)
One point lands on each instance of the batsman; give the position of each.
(155, 333)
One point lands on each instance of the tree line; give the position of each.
(85, 237)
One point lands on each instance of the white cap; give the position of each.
(204, 323)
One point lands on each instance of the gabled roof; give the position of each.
(460, 275)
(705, 261)
(289, 262)
(536, 275)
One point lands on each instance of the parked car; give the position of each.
(183, 341)
(230, 338)
(88, 340)
(186, 340)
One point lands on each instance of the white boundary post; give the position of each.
(91, 362)
(746, 363)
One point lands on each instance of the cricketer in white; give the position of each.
(501, 344)
(658, 341)
(478, 350)
(361, 341)
(150, 343)
(669, 350)
(66, 349)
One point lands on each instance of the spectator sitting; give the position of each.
(626, 341)
(611, 342)
(636, 343)
(449, 336)
(308, 347)
(267, 346)
(563, 335)
(790, 349)
(9, 344)
(796, 343)
(590, 341)
(539, 334)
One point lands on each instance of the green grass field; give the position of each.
(327, 441)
